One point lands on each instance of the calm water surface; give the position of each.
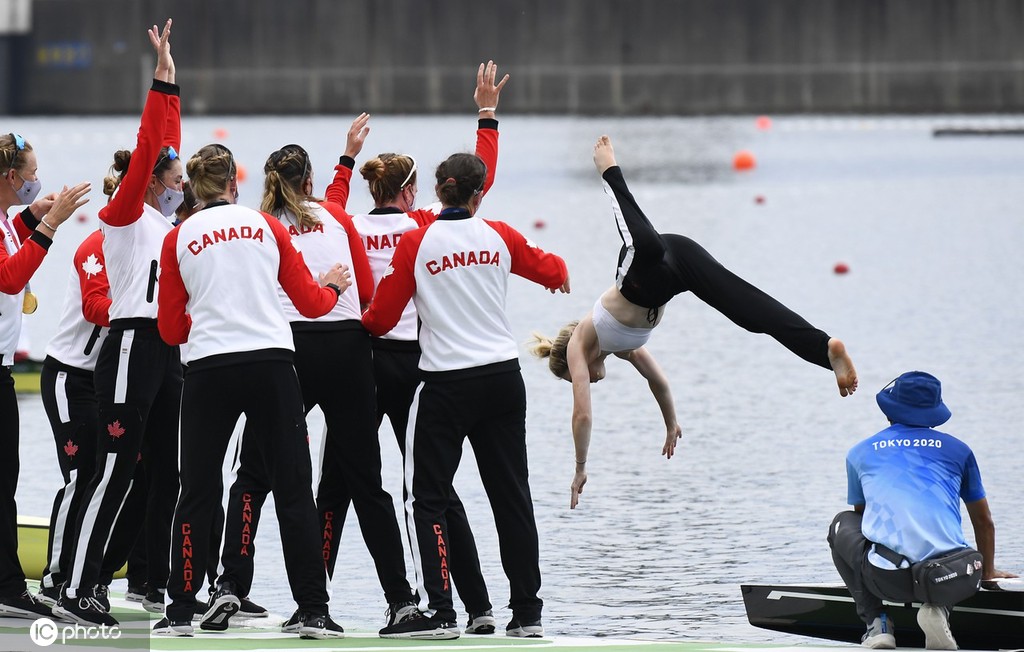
(932, 233)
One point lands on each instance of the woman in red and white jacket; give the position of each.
(221, 271)
(26, 240)
(138, 376)
(392, 184)
(334, 363)
(69, 398)
(456, 272)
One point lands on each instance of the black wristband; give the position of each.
(335, 287)
(29, 219)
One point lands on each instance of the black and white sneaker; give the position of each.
(249, 609)
(292, 625)
(481, 623)
(177, 628)
(48, 595)
(399, 612)
(136, 593)
(84, 610)
(524, 628)
(223, 604)
(102, 594)
(419, 627)
(24, 605)
(320, 627)
(154, 601)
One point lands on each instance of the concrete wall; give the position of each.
(567, 56)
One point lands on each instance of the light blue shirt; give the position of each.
(910, 481)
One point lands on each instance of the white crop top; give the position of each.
(612, 336)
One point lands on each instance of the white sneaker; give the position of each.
(879, 635)
(934, 622)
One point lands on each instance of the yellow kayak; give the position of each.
(33, 535)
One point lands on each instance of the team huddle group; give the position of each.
(187, 310)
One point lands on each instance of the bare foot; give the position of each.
(842, 365)
(604, 155)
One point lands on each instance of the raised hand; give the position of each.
(357, 135)
(161, 42)
(487, 92)
(67, 202)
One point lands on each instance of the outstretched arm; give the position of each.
(582, 410)
(985, 538)
(338, 191)
(648, 367)
(486, 97)
(161, 42)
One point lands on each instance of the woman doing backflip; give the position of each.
(653, 268)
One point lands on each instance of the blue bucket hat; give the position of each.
(914, 399)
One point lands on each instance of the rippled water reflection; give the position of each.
(657, 549)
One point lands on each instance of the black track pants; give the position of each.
(653, 268)
(138, 389)
(491, 411)
(12, 578)
(213, 398)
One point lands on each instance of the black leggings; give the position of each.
(654, 267)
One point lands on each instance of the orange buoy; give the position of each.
(841, 268)
(763, 122)
(242, 173)
(758, 199)
(220, 133)
(743, 160)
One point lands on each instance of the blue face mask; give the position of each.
(29, 190)
(169, 200)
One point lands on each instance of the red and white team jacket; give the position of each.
(86, 311)
(456, 272)
(334, 240)
(221, 269)
(382, 228)
(133, 231)
(17, 265)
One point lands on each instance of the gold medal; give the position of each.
(29, 303)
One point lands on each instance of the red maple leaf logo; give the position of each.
(115, 430)
(70, 448)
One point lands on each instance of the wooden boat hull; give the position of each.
(33, 536)
(991, 620)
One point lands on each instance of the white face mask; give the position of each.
(29, 190)
(169, 200)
